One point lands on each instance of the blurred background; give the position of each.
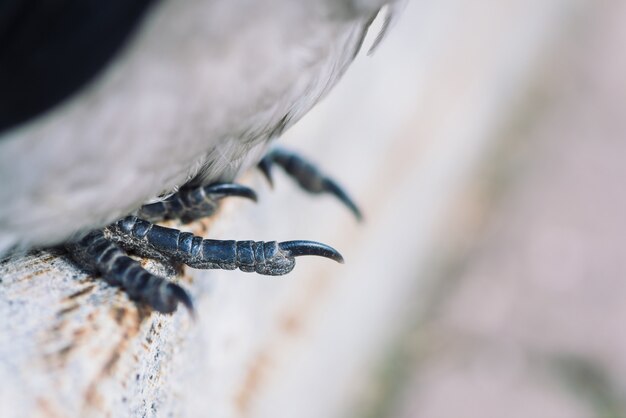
(485, 141)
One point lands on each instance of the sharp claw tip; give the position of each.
(333, 188)
(223, 190)
(265, 168)
(247, 193)
(335, 255)
(299, 248)
(252, 196)
(269, 178)
(183, 297)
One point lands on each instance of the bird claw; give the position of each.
(265, 166)
(301, 248)
(190, 204)
(307, 175)
(221, 190)
(178, 294)
(276, 259)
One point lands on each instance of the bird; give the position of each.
(117, 115)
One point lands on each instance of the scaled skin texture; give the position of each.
(198, 92)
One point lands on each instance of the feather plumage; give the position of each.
(197, 93)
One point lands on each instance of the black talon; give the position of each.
(307, 175)
(265, 165)
(222, 190)
(333, 188)
(300, 248)
(181, 295)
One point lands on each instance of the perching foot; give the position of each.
(103, 251)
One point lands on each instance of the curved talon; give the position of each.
(265, 166)
(299, 248)
(178, 294)
(333, 188)
(230, 189)
(189, 204)
(307, 175)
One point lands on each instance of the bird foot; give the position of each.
(104, 251)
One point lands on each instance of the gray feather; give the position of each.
(198, 94)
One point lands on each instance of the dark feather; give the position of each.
(50, 49)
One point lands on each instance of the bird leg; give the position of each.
(307, 175)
